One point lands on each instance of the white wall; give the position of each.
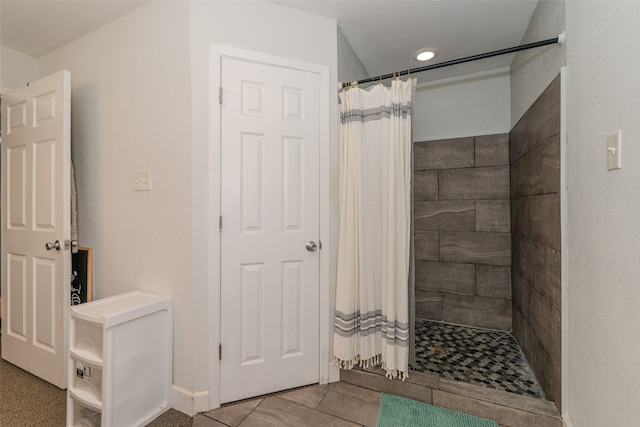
(16, 68)
(349, 66)
(140, 95)
(604, 230)
(476, 104)
(533, 70)
(131, 110)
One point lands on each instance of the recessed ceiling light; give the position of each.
(425, 54)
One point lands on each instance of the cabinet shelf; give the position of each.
(85, 398)
(86, 356)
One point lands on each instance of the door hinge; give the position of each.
(220, 95)
(219, 351)
(220, 223)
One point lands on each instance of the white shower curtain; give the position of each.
(372, 321)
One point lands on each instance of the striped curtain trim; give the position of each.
(394, 332)
(372, 114)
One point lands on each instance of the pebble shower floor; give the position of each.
(477, 356)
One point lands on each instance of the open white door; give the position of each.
(270, 277)
(36, 262)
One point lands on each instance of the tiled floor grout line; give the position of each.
(211, 418)
(323, 397)
(251, 412)
(305, 406)
(317, 405)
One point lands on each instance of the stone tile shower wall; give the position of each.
(535, 227)
(462, 231)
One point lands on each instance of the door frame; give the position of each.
(217, 53)
(564, 247)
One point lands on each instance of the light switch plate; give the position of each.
(142, 180)
(614, 152)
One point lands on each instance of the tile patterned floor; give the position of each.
(331, 405)
(487, 358)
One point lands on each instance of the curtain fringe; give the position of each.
(393, 374)
(370, 363)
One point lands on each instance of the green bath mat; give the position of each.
(396, 411)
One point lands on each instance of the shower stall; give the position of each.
(488, 267)
(487, 249)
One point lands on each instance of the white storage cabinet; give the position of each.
(120, 360)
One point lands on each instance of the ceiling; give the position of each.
(383, 34)
(37, 27)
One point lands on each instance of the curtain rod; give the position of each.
(560, 38)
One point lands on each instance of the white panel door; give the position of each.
(36, 211)
(270, 209)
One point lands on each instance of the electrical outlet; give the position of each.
(142, 180)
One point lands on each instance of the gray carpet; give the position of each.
(28, 401)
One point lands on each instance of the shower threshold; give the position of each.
(471, 370)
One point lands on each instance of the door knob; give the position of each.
(311, 246)
(56, 245)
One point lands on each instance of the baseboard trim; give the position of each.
(201, 401)
(188, 402)
(566, 422)
(334, 373)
